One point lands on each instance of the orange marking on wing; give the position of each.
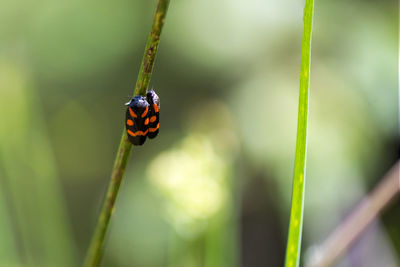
(146, 121)
(145, 112)
(154, 129)
(133, 114)
(155, 108)
(129, 122)
(137, 133)
(153, 118)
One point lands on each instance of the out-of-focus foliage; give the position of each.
(29, 179)
(227, 74)
(192, 178)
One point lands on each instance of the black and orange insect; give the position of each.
(142, 118)
(154, 113)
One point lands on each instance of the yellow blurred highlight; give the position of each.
(191, 176)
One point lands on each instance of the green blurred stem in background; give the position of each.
(96, 247)
(296, 213)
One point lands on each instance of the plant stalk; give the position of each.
(95, 250)
(356, 223)
(296, 214)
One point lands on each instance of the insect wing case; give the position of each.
(154, 114)
(137, 120)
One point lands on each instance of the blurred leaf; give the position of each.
(30, 173)
(8, 252)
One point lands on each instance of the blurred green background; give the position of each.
(214, 188)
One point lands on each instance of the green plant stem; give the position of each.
(296, 213)
(96, 246)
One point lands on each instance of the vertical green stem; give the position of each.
(151, 48)
(96, 246)
(296, 213)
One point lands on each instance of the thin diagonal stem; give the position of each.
(96, 246)
(296, 213)
(355, 224)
